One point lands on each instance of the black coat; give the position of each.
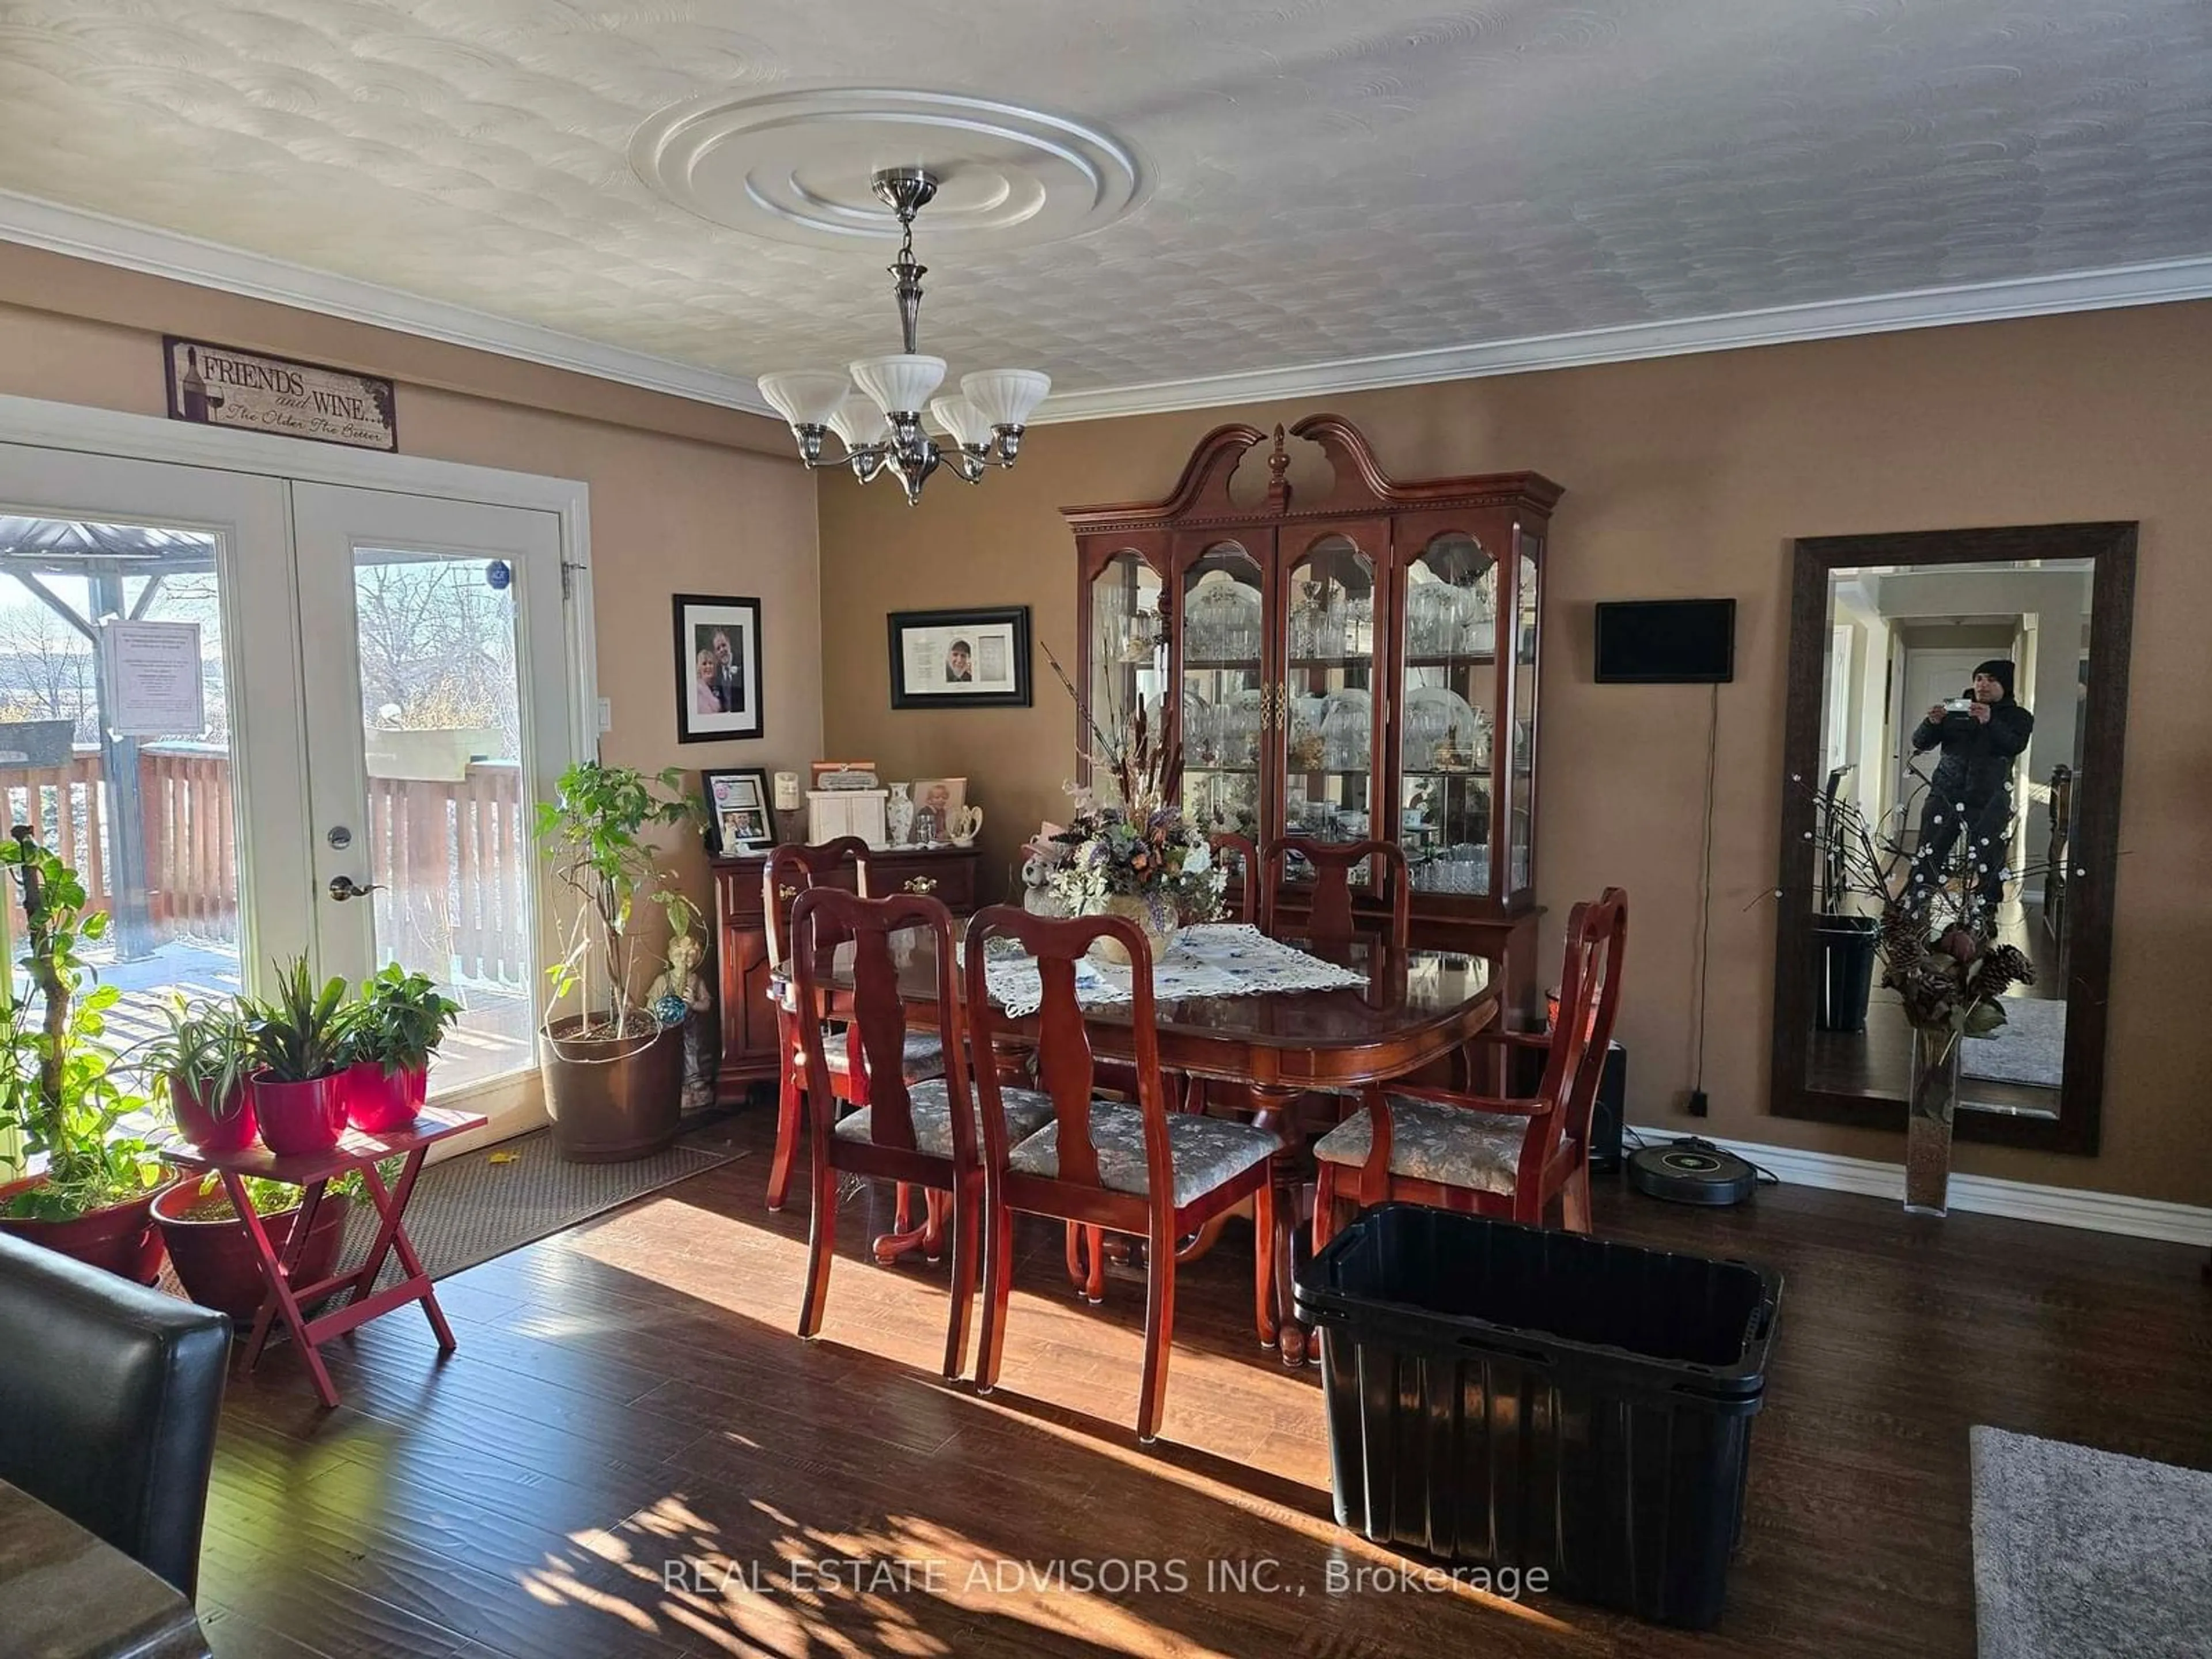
(1978, 757)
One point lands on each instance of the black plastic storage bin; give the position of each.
(1504, 1397)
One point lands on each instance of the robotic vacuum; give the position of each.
(1692, 1171)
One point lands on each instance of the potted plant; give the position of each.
(215, 1258)
(60, 1088)
(200, 1062)
(298, 1043)
(613, 1072)
(398, 1024)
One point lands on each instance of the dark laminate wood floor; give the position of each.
(630, 1393)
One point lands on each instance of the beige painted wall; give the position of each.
(684, 498)
(1688, 476)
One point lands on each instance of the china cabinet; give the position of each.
(1364, 662)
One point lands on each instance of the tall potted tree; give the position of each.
(613, 1072)
(60, 1089)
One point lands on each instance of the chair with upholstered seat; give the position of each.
(791, 871)
(1331, 914)
(1507, 1157)
(918, 1134)
(1137, 1170)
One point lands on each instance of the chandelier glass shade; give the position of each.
(880, 422)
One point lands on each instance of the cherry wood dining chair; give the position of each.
(1332, 915)
(1508, 1158)
(1137, 1170)
(918, 1134)
(1228, 844)
(792, 872)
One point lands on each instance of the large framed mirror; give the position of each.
(1960, 697)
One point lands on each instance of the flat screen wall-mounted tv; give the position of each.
(1665, 641)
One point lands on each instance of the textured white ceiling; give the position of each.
(1326, 181)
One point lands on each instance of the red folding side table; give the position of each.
(313, 1172)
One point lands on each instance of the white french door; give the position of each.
(385, 691)
(432, 642)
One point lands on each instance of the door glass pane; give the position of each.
(447, 840)
(1449, 723)
(145, 817)
(1224, 710)
(1330, 715)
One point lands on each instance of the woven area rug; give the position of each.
(2082, 1555)
(496, 1199)
(2030, 1047)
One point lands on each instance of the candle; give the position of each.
(786, 792)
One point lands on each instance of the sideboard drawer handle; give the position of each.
(921, 884)
(786, 891)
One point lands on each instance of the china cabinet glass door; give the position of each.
(1329, 701)
(1228, 703)
(1521, 780)
(1127, 650)
(1448, 722)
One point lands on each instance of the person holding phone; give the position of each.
(1980, 732)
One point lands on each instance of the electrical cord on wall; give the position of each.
(1698, 1101)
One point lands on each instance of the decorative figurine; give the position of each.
(681, 992)
(965, 824)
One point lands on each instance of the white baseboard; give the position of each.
(2022, 1200)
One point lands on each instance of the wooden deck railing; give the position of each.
(448, 857)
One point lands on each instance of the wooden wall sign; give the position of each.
(219, 385)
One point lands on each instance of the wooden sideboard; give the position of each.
(749, 1047)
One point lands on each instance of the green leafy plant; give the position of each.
(593, 833)
(399, 1020)
(205, 1047)
(210, 1202)
(59, 1085)
(301, 1033)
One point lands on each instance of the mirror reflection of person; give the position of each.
(960, 664)
(1972, 788)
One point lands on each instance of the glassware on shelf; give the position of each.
(1347, 731)
(1463, 867)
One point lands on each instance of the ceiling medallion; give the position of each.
(881, 424)
(800, 166)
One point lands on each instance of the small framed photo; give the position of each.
(718, 668)
(738, 813)
(961, 658)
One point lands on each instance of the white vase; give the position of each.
(898, 814)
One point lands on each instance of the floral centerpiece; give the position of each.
(1938, 951)
(1138, 854)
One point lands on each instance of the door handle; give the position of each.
(344, 888)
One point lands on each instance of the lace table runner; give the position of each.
(1216, 959)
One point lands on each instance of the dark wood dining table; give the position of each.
(65, 1594)
(1297, 1054)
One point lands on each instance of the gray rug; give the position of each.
(2082, 1555)
(2029, 1048)
(496, 1199)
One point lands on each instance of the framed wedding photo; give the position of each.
(738, 815)
(961, 658)
(718, 668)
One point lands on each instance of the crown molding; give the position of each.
(84, 234)
(110, 241)
(1934, 307)
(2022, 1200)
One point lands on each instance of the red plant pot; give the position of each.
(378, 1102)
(212, 1133)
(300, 1117)
(215, 1258)
(121, 1238)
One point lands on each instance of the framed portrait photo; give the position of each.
(718, 668)
(961, 658)
(738, 815)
